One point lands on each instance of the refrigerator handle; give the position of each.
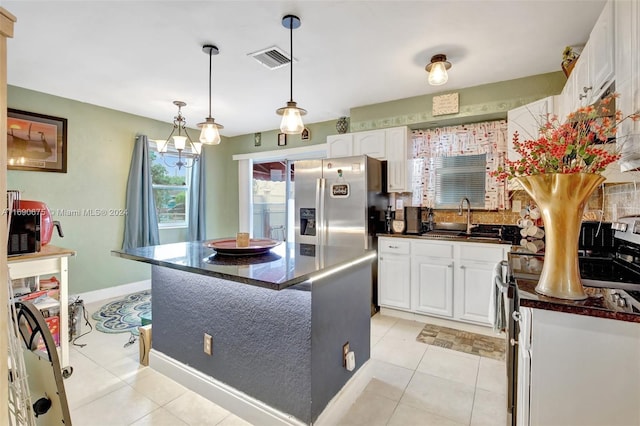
(320, 225)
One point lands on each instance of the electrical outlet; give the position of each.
(345, 351)
(208, 344)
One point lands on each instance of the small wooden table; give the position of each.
(49, 260)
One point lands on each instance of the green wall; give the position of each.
(480, 103)
(100, 142)
(99, 146)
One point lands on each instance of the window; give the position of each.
(458, 177)
(170, 189)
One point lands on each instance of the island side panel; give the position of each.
(341, 312)
(261, 337)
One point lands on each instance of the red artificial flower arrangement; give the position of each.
(569, 147)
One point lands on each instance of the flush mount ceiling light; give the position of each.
(437, 70)
(210, 134)
(291, 123)
(179, 141)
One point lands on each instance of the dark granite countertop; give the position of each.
(283, 266)
(467, 239)
(526, 269)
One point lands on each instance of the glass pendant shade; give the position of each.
(291, 123)
(438, 74)
(209, 134)
(162, 145)
(179, 142)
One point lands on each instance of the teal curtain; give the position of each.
(141, 222)
(197, 227)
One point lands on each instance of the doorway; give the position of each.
(273, 199)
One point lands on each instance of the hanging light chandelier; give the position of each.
(209, 134)
(437, 69)
(291, 123)
(179, 141)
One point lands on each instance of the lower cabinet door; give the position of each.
(432, 285)
(394, 286)
(474, 286)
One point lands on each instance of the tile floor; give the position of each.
(405, 383)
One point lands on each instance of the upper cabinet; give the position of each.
(627, 68)
(371, 143)
(340, 145)
(526, 120)
(390, 144)
(594, 71)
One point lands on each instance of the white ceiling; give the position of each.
(139, 56)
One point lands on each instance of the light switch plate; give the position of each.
(516, 206)
(399, 204)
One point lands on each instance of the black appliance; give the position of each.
(24, 232)
(609, 259)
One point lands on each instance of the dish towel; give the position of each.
(496, 302)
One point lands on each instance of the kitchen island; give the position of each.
(278, 323)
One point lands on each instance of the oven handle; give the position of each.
(499, 280)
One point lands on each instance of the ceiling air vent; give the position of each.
(271, 57)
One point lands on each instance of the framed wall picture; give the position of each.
(36, 142)
(282, 139)
(305, 135)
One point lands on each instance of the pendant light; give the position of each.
(291, 123)
(210, 134)
(437, 70)
(179, 141)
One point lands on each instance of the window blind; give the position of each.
(458, 177)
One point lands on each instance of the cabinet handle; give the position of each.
(462, 266)
(515, 315)
(581, 96)
(450, 265)
(393, 247)
(586, 89)
(513, 342)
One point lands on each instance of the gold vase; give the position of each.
(561, 199)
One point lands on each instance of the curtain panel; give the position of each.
(141, 221)
(197, 219)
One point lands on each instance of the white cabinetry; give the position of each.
(390, 144)
(601, 49)
(627, 68)
(394, 285)
(474, 280)
(340, 145)
(446, 279)
(558, 386)
(370, 143)
(526, 120)
(432, 278)
(594, 71)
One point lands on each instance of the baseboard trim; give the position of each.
(111, 292)
(239, 403)
(458, 325)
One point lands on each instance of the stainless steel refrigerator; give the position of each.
(339, 201)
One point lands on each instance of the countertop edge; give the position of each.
(529, 300)
(369, 255)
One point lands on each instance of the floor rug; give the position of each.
(124, 316)
(463, 341)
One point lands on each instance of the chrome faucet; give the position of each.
(469, 226)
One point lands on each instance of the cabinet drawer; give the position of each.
(475, 251)
(395, 245)
(444, 250)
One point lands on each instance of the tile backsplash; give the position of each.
(610, 203)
